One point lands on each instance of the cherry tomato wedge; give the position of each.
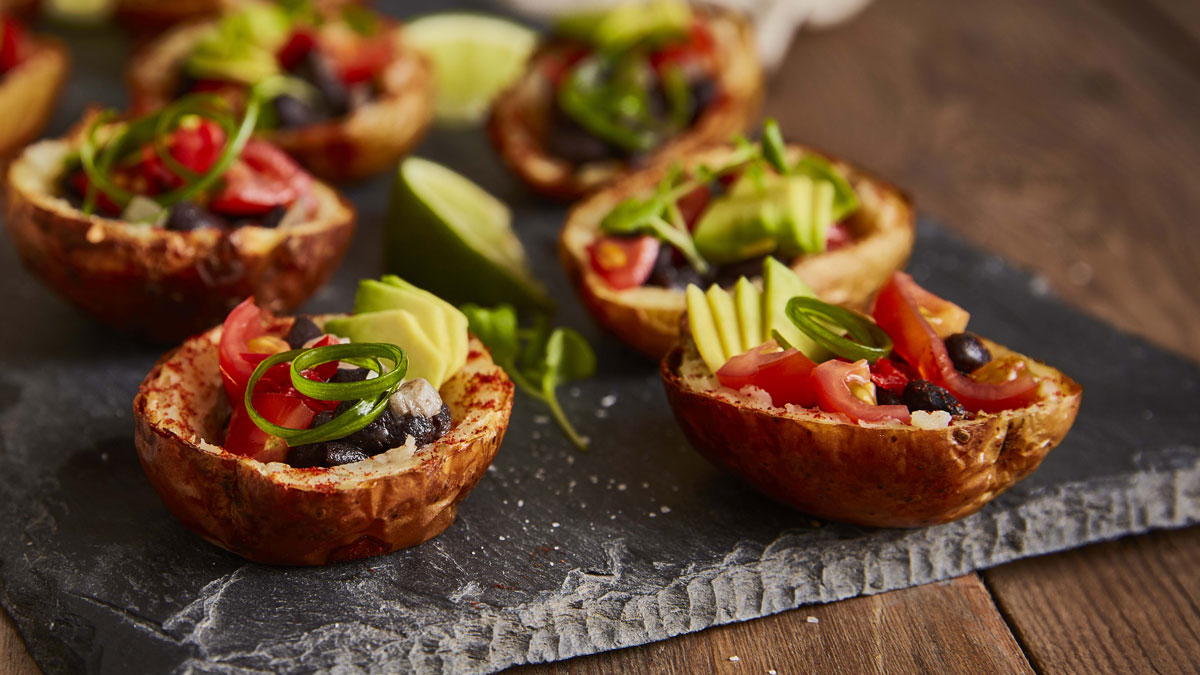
(14, 43)
(246, 439)
(785, 375)
(624, 262)
(242, 325)
(943, 316)
(358, 61)
(299, 44)
(890, 375)
(898, 312)
(261, 179)
(837, 383)
(695, 51)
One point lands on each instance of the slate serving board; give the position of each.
(556, 553)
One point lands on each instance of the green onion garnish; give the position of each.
(810, 315)
(372, 394)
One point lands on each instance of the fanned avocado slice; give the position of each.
(781, 284)
(401, 328)
(748, 300)
(375, 296)
(726, 319)
(455, 320)
(704, 329)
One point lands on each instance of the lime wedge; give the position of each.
(474, 58)
(449, 236)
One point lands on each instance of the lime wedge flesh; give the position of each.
(474, 58)
(451, 237)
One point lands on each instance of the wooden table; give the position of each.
(1065, 136)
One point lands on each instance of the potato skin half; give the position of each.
(28, 94)
(885, 476)
(648, 318)
(161, 284)
(369, 140)
(520, 115)
(278, 514)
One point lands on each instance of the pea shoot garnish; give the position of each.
(538, 358)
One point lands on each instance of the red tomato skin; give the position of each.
(624, 262)
(362, 61)
(889, 375)
(242, 325)
(897, 313)
(14, 43)
(299, 44)
(557, 64)
(696, 50)
(785, 375)
(833, 379)
(246, 439)
(261, 179)
(693, 204)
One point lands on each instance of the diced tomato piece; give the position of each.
(898, 313)
(261, 179)
(693, 204)
(247, 439)
(785, 375)
(197, 146)
(837, 383)
(694, 52)
(242, 325)
(624, 262)
(360, 60)
(299, 44)
(889, 375)
(14, 43)
(556, 64)
(123, 177)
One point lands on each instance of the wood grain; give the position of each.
(14, 658)
(948, 627)
(1126, 606)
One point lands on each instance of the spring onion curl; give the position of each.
(372, 395)
(869, 341)
(98, 158)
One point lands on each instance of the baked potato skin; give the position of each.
(161, 284)
(893, 476)
(28, 94)
(648, 318)
(144, 16)
(519, 117)
(367, 141)
(284, 515)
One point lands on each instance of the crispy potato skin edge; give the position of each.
(849, 276)
(523, 151)
(263, 516)
(883, 477)
(28, 94)
(168, 285)
(366, 142)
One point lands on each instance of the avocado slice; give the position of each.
(822, 215)
(374, 296)
(736, 228)
(796, 194)
(781, 284)
(726, 319)
(401, 328)
(845, 200)
(704, 329)
(454, 320)
(748, 300)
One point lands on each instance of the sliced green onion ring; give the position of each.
(373, 393)
(870, 342)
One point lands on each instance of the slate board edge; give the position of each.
(593, 613)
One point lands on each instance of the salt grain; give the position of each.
(520, 503)
(734, 659)
(813, 619)
(554, 524)
(621, 487)
(664, 509)
(608, 401)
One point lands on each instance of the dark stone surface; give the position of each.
(556, 553)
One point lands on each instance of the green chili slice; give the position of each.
(372, 394)
(870, 342)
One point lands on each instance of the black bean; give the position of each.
(967, 352)
(377, 436)
(341, 452)
(442, 422)
(186, 216)
(420, 428)
(293, 113)
(315, 68)
(569, 141)
(671, 272)
(303, 329)
(273, 217)
(323, 417)
(887, 397)
(307, 456)
(927, 396)
(704, 92)
(350, 375)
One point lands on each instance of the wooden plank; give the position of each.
(1121, 607)
(14, 659)
(1050, 133)
(945, 627)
